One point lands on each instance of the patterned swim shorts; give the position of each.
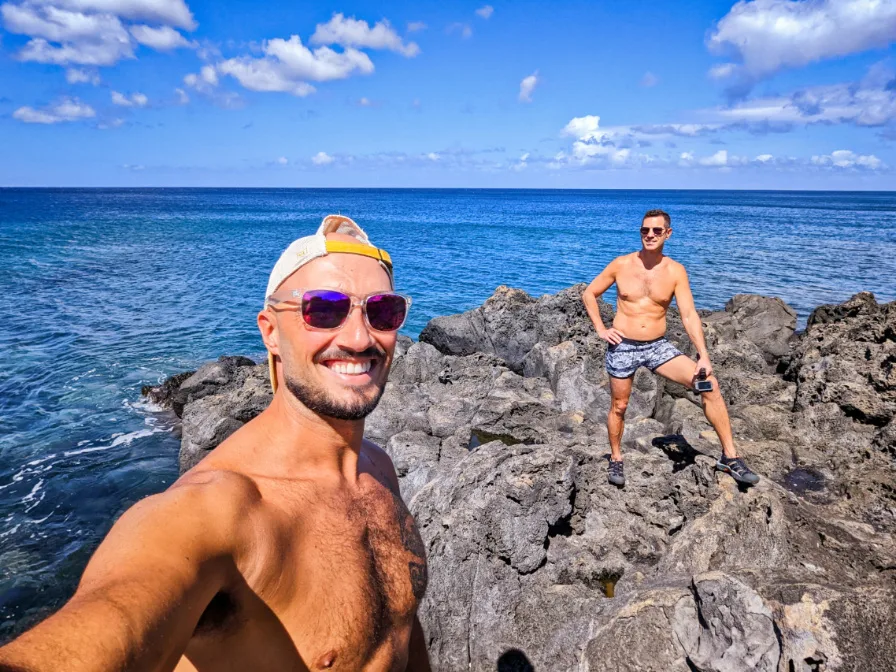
(624, 359)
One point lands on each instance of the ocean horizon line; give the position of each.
(448, 189)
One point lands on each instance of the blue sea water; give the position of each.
(103, 291)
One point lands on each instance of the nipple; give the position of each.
(326, 661)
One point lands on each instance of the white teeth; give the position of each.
(351, 368)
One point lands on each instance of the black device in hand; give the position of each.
(701, 384)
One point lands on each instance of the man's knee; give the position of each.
(714, 394)
(618, 406)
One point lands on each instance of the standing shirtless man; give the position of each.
(288, 548)
(646, 282)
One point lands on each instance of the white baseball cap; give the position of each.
(303, 250)
(306, 249)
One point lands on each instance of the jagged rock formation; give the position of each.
(494, 421)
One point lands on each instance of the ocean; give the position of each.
(103, 291)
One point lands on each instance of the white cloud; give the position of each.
(527, 86)
(136, 100)
(93, 32)
(870, 102)
(432, 156)
(282, 161)
(164, 38)
(76, 76)
(133, 167)
(522, 164)
(486, 11)
(351, 32)
(322, 159)
(845, 159)
(182, 97)
(68, 109)
(465, 30)
(582, 127)
(770, 35)
(765, 158)
(204, 81)
(649, 79)
(720, 158)
(170, 12)
(416, 26)
(365, 102)
(288, 64)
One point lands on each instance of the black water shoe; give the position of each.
(615, 473)
(737, 469)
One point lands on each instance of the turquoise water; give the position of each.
(103, 291)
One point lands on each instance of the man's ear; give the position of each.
(267, 325)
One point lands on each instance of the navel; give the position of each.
(326, 661)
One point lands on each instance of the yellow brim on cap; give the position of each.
(360, 248)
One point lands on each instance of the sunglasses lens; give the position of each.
(645, 230)
(386, 312)
(325, 309)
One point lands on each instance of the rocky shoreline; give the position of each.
(495, 422)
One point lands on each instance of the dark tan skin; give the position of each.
(287, 549)
(646, 282)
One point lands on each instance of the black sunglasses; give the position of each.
(657, 230)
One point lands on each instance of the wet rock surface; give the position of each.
(494, 421)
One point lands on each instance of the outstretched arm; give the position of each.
(144, 589)
(693, 325)
(598, 286)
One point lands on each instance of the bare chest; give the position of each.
(340, 582)
(639, 285)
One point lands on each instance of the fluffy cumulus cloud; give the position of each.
(289, 66)
(68, 109)
(765, 36)
(593, 146)
(351, 32)
(844, 159)
(322, 159)
(94, 32)
(527, 87)
(163, 38)
(485, 12)
(135, 100)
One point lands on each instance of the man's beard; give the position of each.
(317, 400)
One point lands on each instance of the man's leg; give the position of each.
(682, 370)
(620, 391)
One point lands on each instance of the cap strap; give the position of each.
(360, 248)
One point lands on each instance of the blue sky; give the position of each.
(784, 94)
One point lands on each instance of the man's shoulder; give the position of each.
(208, 496)
(380, 459)
(675, 266)
(623, 260)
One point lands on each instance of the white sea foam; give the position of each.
(118, 439)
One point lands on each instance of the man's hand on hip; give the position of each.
(612, 335)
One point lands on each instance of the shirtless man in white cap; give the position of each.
(287, 548)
